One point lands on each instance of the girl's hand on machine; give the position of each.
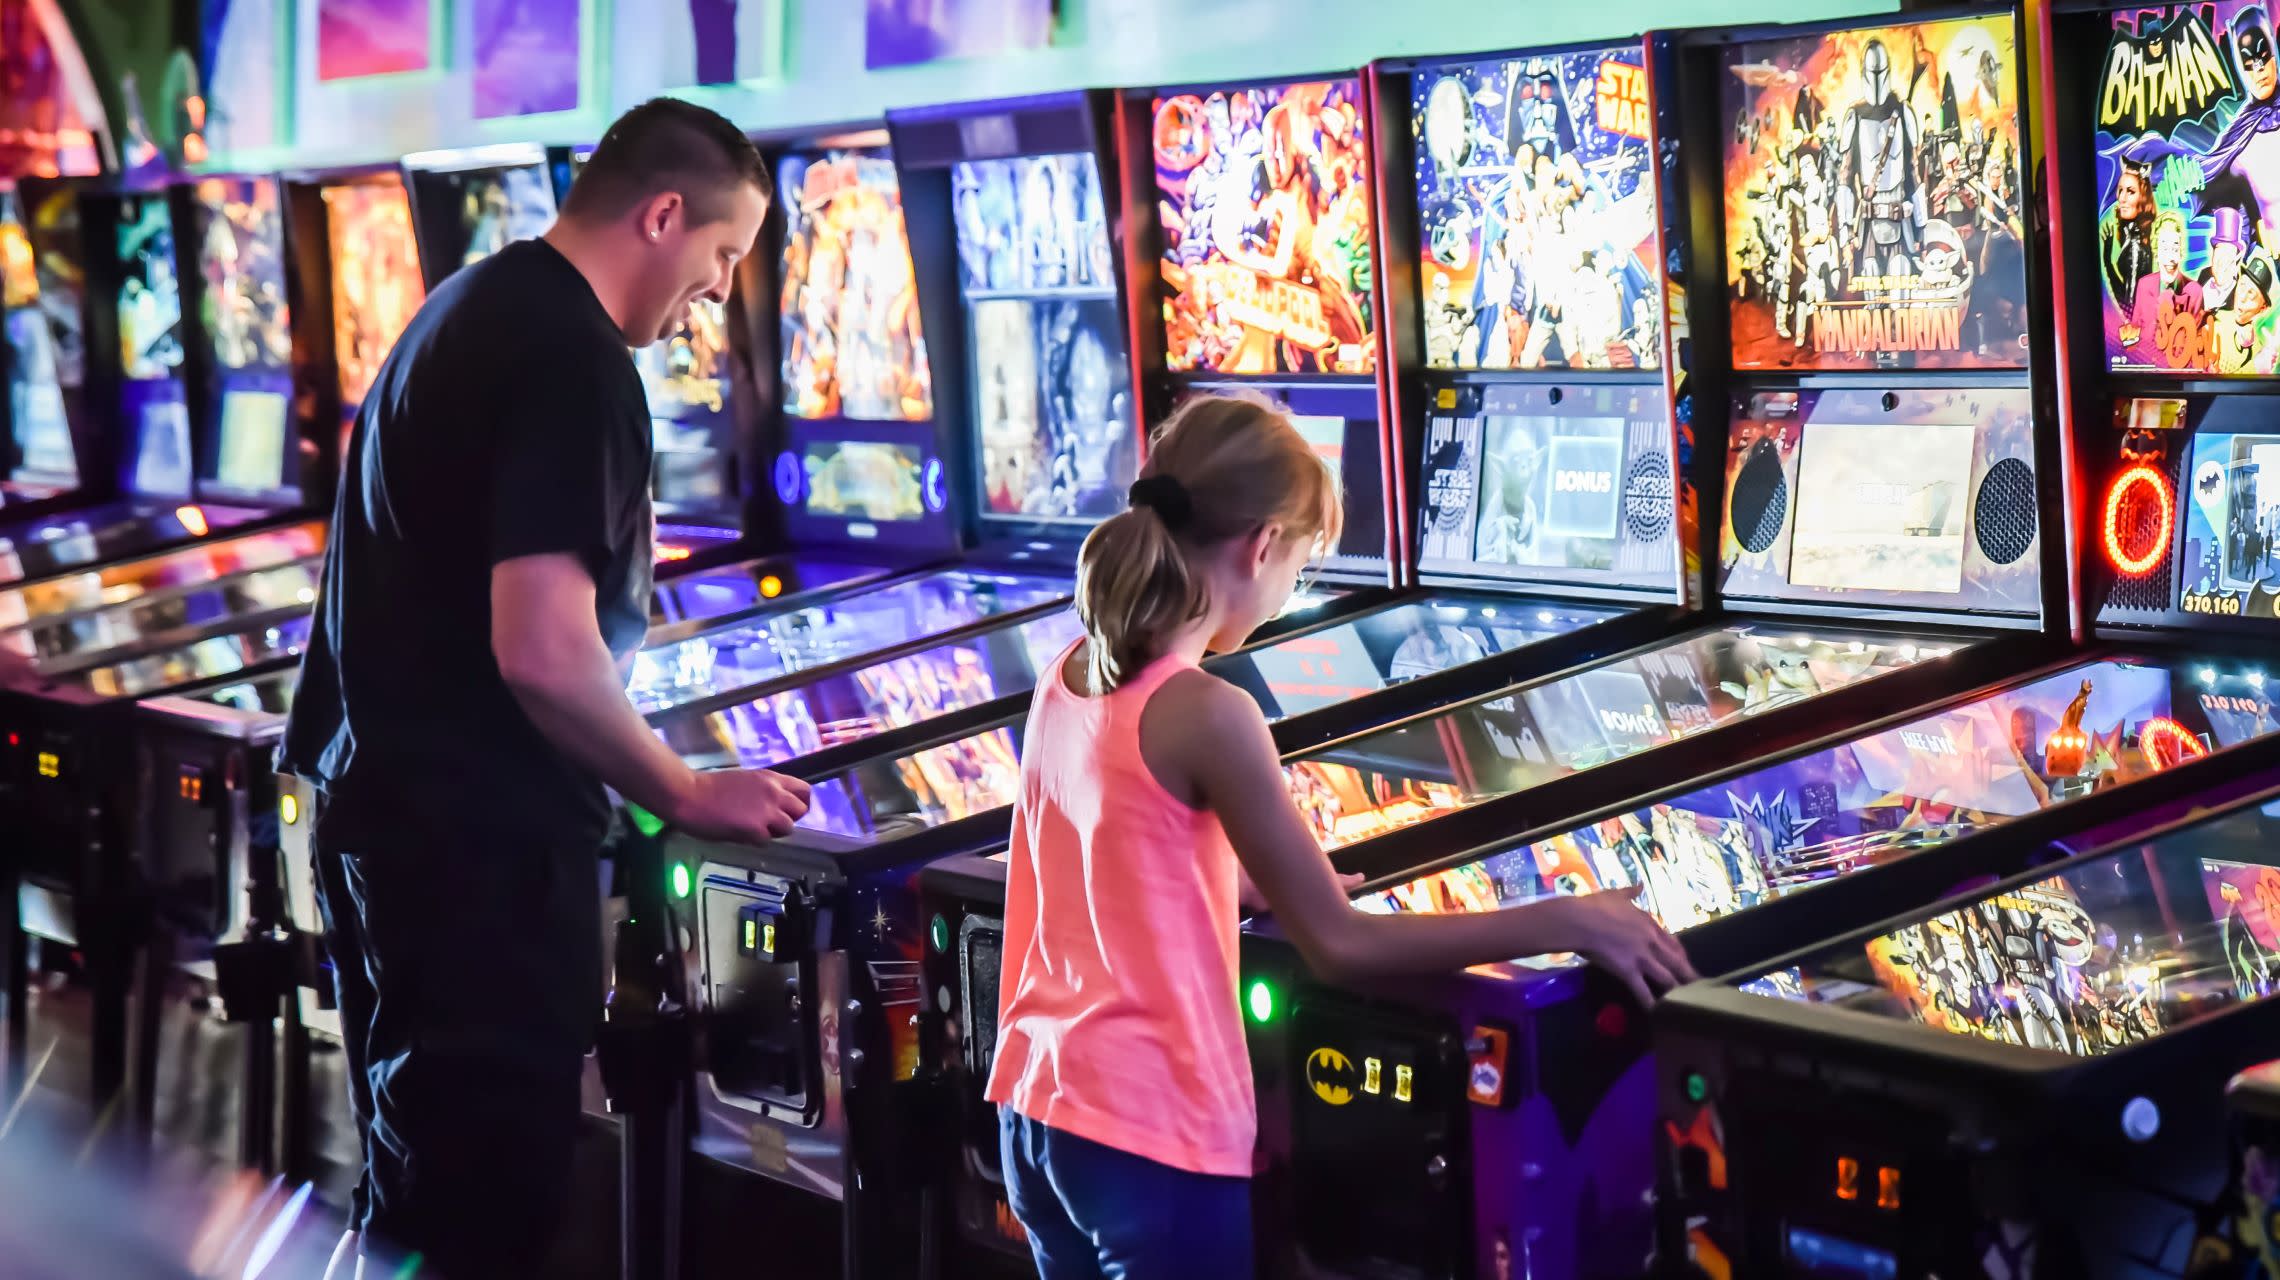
(1611, 931)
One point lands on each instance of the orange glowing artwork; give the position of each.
(1873, 198)
(1263, 196)
(375, 278)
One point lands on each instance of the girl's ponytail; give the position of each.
(1220, 467)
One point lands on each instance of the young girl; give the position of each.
(1149, 789)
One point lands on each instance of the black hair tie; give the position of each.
(1166, 496)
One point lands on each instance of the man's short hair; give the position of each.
(666, 144)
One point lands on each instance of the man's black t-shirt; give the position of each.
(508, 421)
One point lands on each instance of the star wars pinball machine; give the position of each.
(109, 635)
(2040, 1068)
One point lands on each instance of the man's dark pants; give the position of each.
(469, 971)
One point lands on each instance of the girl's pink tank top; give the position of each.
(1118, 1015)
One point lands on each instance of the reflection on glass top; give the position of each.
(1875, 799)
(2114, 950)
(38, 548)
(139, 618)
(740, 656)
(190, 566)
(712, 593)
(854, 705)
(879, 800)
(201, 660)
(1388, 646)
(1308, 599)
(272, 693)
(1515, 739)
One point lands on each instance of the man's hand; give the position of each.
(749, 805)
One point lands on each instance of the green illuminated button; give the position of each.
(681, 884)
(1261, 1001)
(1697, 1088)
(938, 932)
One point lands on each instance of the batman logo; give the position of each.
(1330, 1074)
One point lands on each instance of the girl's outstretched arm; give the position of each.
(1207, 742)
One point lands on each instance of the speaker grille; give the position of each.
(2004, 513)
(1761, 499)
(1647, 499)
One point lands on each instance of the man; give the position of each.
(462, 705)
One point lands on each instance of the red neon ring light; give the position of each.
(2123, 483)
(2167, 743)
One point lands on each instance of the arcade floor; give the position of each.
(216, 1222)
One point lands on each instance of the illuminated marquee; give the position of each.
(1283, 308)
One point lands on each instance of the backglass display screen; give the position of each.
(1529, 482)
(150, 296)
(376, 282)
(1052, 384)
(42, 283)
(466, 215)
(241, 259)
(1924, 499)
(2188, 189)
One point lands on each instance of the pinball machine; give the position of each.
(1022, 333)
(114, 633)
(2026, 1081)
(857, 409)
(206, 800)
(2102, 1014)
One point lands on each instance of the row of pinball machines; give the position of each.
(1504, 347)
(1950, 621)
(1738, 512)
(206, 386)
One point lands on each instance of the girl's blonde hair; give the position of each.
(1240, 464)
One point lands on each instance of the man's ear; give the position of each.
(660, 213)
